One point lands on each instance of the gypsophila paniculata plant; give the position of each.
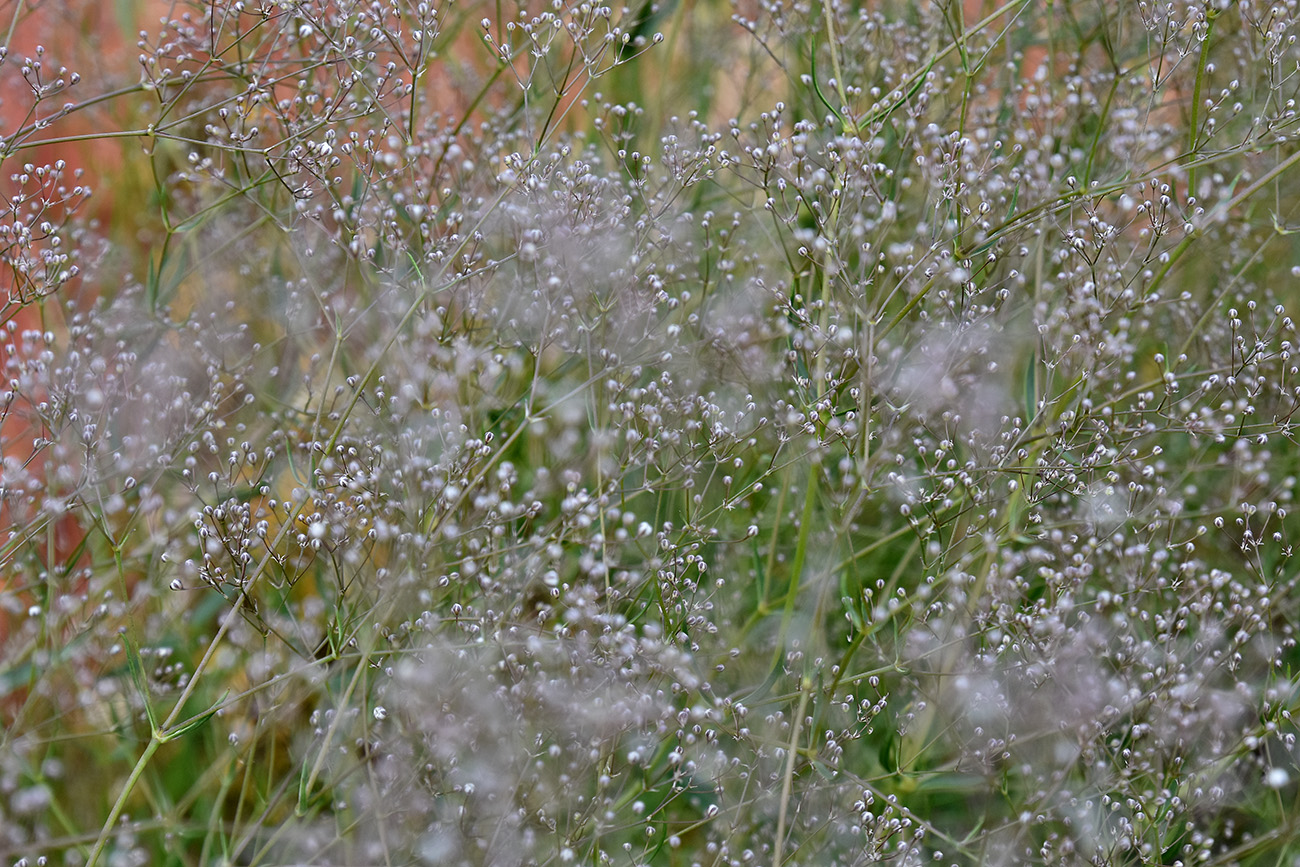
(713, 433)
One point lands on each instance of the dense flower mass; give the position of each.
(717, 433)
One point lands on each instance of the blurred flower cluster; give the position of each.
(715, 433)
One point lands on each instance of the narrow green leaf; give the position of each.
(151, 287)
(855, 616)
(192, 724)
(141, 685)
(817, 89)
(1031, 388)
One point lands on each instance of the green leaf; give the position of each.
(912, 746)
(817, 89)
(141, 685)
(125, 13)
(1031, 388)
(151, 287)
(192, 724)
(855, 616)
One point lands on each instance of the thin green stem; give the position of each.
(787, 781)
(118, 806)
